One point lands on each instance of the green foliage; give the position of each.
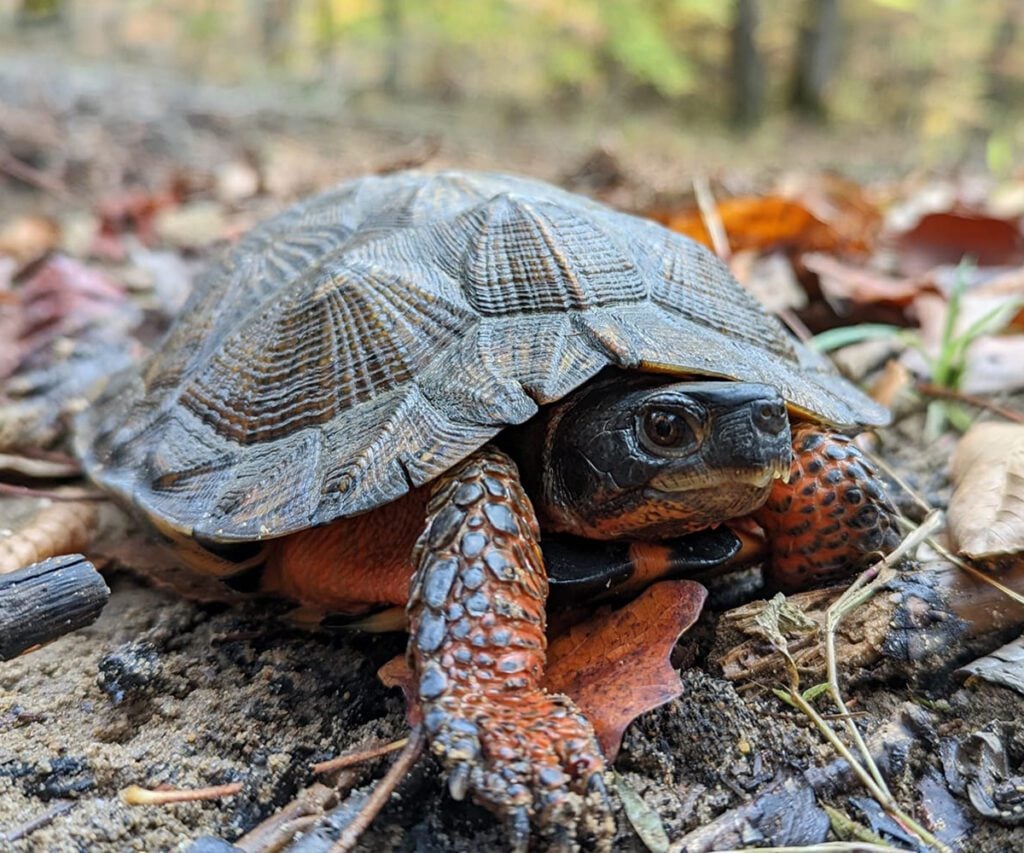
(946, 71)
(639, 42)
(948, 365)
(844, 336)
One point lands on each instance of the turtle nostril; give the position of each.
(771, 417)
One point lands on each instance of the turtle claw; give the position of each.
(518, 824)
(534, 761)
(458, 782)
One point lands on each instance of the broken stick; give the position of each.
(46, 600)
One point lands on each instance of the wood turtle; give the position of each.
(340, 404)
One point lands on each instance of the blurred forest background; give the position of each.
(940, 80)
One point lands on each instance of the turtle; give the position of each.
(394, 393)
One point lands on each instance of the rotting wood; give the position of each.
(766, 813)
(46, 600)
(923, 624)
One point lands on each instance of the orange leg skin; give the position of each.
(477, 649)
(830, 517)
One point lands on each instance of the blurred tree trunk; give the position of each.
(275, 28)
(816, 49)
(325, 26)
(392, 17)
(1000, 75)
(747, 68)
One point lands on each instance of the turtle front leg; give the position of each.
(477, 648)
(830, 517)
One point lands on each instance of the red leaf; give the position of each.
(944, 238)
(62, 297)
(615, 666)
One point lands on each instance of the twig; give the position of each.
(37, 466)
(793, 322)
(280, 828)
(69, 494)
(21, 171)
(351, 758)
(889, 472)
(47, 600)
(133, 795)
(712, 221)
(381, 792)
(863, 589)
(46, 818)
(931, 390)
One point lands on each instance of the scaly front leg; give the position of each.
(477, 648)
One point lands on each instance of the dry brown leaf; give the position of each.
(770, 278)
(761, 223)
(986, 510)
(893, 381)
(614, 666)
(1004, 666)
(846, 282)
(1008, 285)
(843, 204)
(60, 299)
(28, 238)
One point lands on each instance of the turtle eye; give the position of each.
(667, 429)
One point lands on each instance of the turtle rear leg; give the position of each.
(830, 517)
(477, 648)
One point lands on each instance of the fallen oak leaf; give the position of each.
(841, 203)
(615, 665)
(986, 509)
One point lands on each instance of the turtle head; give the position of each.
(639, 458)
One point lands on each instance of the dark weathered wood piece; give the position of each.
(926, 623)
(46, 600)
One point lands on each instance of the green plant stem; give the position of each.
(858, 593)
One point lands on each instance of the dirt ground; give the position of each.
(165, 691)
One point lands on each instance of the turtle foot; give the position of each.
(532, 759)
